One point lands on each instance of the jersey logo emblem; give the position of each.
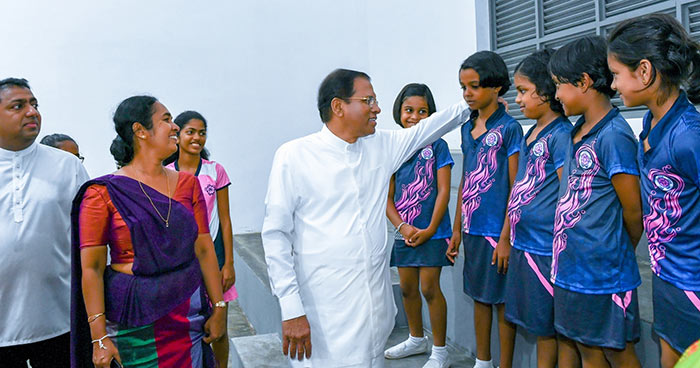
(538, 149)
(491, 139)
(210, 189)
(585, 161)
(427, 153)
(663, 182)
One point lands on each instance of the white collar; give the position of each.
(7, 154)
(336, 142)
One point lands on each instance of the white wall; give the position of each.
(251, 67)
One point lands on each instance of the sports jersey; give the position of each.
(670, 196)
(485, 172)
(533, 197)
(416, 186)
(592, 252)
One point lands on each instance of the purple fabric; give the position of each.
(166, 271)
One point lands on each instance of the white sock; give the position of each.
(414, 341)
(483, 364)
(439, 353)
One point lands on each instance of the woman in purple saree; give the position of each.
(151, 306)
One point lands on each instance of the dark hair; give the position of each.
(339, 83)
(14, 82)
(588, 55)
(182, 120)
(534, 68)
(135, 109)
(54, 139)
(410, 90)
(661, 39)
(491, 68)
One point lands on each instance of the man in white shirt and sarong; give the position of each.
(324, 231)
(38, 185)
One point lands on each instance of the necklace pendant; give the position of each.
(167, 224)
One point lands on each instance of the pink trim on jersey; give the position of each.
(526, 189)
(409, 206)
(480, 180)
(491, 241)
(540, 276)
(664, 213)
(693, 298)
(623, 303)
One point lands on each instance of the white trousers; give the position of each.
(377, 362)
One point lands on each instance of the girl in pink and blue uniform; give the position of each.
(651, 58)
(192, 157)
(597, 222)
(418, 195)
(490, 145)
(533, 199)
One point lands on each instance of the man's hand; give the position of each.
(296, 338)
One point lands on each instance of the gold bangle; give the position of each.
(94, 317)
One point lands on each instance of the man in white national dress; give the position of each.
(324, 231)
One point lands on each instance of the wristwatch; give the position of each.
(220, 304)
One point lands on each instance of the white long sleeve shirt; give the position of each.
(38, 185)
(324, 234)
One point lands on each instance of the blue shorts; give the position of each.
(676, 314)
(482, 281)
(604, 320)
(428, 254)
(529, 294)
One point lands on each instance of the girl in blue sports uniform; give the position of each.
(490, 145)
(533, 199)
(417, 206)
(598, 221)
(651, 57)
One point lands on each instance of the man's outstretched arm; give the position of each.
(277, 236)
(405, 142)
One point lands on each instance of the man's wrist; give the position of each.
(291, 306)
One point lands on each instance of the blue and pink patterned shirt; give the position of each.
(416, 186)
(592, 252)
(534, 195)
(671, 194)
(485, 172)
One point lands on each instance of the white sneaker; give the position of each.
(484, 364)
(405, 349)
(434, 363)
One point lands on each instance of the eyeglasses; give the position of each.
(369, 100)
(80, 157)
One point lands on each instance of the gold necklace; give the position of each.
(170, 200)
